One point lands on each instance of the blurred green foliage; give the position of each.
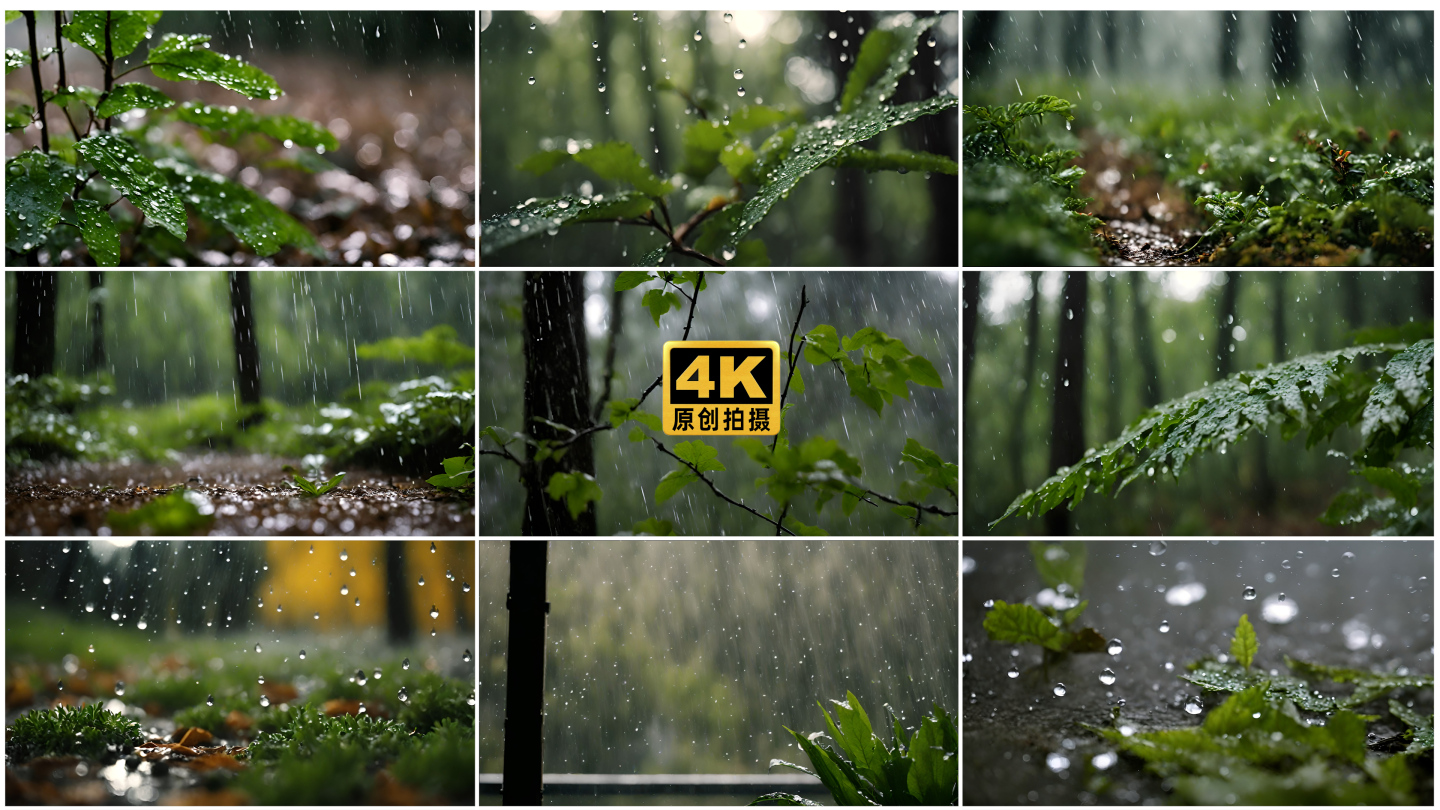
(86, 731)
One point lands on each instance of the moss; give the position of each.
(435, 700)
(442, 762)
(88, 731)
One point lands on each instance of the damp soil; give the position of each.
(1147, 222)
(1012, 726)
(250, 495)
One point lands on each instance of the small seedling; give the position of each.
(176, 513)
(458, 473)
(65, 731)
(314, 489)
(924, 771)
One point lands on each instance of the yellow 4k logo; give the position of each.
(722, 388)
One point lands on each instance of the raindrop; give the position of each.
(317, 615)
(432, 631)
(302, 655)
(1193, 706)
(1285, 564)
(1014, 672)
(698, 35)
(989, 603)
(1334, 572)
(532, 26)
(740, 92)
(105, 579)
(92, 648)
(729, 17)
(1107, 677)
(1059, 690)
(60, 685)
(120, 688)
(312, 548)
(739, 74)
(344, 590)
(378, 673)
(1348, 556)
(602, 87)
(352, 572)
(635, 16)
(432, 548)
(403, 696)
(405, 664)
(1115, 647)
(471, 700)
(1157, 547)
(930, 42)
(264, 701)
(434, 613)
(1057, 762)
(261, 680)
(742, 44)
(209, 700)
(531, 80)
(344, 555)
(465, 587)
(595, 44)
(1249, 593)
(422, 581)
(466, 656)
(257, 646)
(357, 601)
(1164, 626)
(279, 608)
(360, 677)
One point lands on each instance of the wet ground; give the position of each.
(1374, 613)
(245, 495)
(1147, 222)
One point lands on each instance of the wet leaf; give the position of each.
(237, 121)
(898, 160)
(654, 527)
(253, 219)
(126, 30)
(528, 220)
(577, 489)
(179, 57)
(1422, 728)
(659, 302)
(19, 117)
(99, 231)
(133, 175)
(130, 96)
(1022, 624)
(15, 59)
(613, 160)
(1244, 646)
(35, 189)
(630, 279)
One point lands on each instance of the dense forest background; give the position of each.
(919, 308)
(1149, 337)
(795, 60)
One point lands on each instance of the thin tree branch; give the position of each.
(109, 67)
(695, 254)
(39, 88)
(60, 48)
(690, 319)
(716, 490)
(503, 453)
(934, 510)
(786, 392)
(783, 512)
(690, 224)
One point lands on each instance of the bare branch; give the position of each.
(793, 329)
(778, 526)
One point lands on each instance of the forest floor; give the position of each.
(1147, 221)
(235, 495)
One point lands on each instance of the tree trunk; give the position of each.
(970, 291)
(1113, 421)
(1224, 357)
(935, 133)
(557, 388)
(247, 349)
(1284, 46)
(524, 747)
(399, 625)
(1022, 408)
(1077, 44)
(1150, 387)
(95, 359)
(1229, 38)
(1351, 300)
(1112, 40)
(35, 293)
(1067, 435)
(851, 229)
(980, 43)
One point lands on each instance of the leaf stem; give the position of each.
(39, 88)
(779, 527)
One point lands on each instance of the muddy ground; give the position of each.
(1147, 221)
(1011, 727)
(249, 495)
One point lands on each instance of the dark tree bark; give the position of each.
(1113, 420)
(1144, 347)
(1425, 287)
(851, 223)
(95, 359)
(1224, 357)
(1355, 52)
(1022, 408)
(1229, 38)
(1351, 300)
(557, 388)
(523, 780)
(1112, 39)
(980, 43)
(935, 133)
(1077, 44)
(247, 348)
(1284, 46)
(35, 293)
(399, 625)
(1067, 434)
(970, 291)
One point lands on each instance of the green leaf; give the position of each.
(181, 57)
(535, 217)
(830, 770)
(497, 434)
(703, 456)
(99, 232)
(133, 175)
(803, 529)
(1422, 736)
(1058, 563)
(935, 748)
(1022, 624)
(736, 157)
(1405, 488)
(438, 345)
(630, 279)
(286, 129)
(1238, 712)
(1068, 617)
(253, 219)
(654, 527)
(782, 799)
(15, 58)
(174, 514)
(874, 56)
(1408, 370)
(936, 471)
(19, 117)
(822, 344)
(673, 482)
(612, 160)
(922, 372)
(127, 97)
(659, 302)
(1244, 646)
(127, 29)
(36, 186)
(12, 16)
(818, 143)
(903, 161)
(577, 489)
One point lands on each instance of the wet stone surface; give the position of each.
(246, 495)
